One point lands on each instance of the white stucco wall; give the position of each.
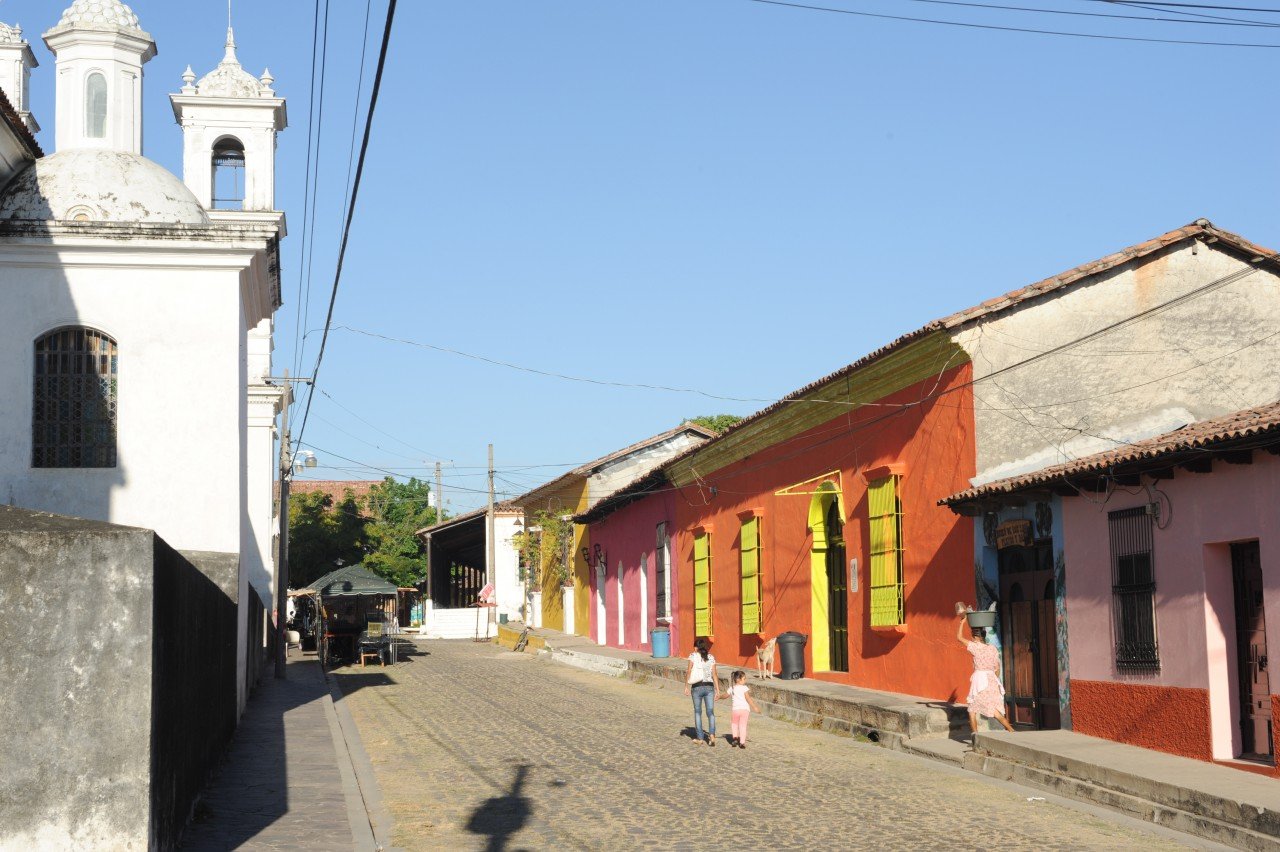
(180, 401)
(1198, 359)
(610, 477)
(506, 568)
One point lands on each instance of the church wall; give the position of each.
(180, 401)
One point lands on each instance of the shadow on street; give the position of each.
(500, 817)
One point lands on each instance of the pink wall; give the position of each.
(1195, 609)
(629, 537)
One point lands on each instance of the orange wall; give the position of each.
(1166, 718)
(934, 442)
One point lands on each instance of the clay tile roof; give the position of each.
(19, 127)
(1261, 424)
(1199, 229)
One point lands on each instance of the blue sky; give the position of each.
(713, 194)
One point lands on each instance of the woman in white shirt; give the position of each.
(701, 682)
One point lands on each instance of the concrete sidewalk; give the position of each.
(295, 775)
(1220, 804)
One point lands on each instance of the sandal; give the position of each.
(711, 740)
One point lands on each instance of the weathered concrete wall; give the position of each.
(1204, 357)
(118, 660)
(75, 661)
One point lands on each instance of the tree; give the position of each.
(396, 510)
(716, 422)
(320, 533)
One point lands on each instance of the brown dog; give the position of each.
(764, 658)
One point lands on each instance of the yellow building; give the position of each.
(574, 493)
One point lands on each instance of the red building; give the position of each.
(818, 515)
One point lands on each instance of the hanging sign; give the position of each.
(1013, 534)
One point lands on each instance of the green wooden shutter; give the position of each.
(885, 514)
(750, 563)
(702, 585)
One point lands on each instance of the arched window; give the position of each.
(228, 175)
(95, 106)
(73, 420)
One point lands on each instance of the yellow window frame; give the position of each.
(702, 584)
(884, 509)
(749, 563)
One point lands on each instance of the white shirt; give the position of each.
(739, 692)
(701, 671)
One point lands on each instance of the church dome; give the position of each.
(99, 15)
(99, 185)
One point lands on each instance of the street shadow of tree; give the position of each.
(501, 817)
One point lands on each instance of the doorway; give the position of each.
(837, 590)
(1251, 653)
(1029, 635)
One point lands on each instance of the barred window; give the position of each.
(73, 420)
(1133, 590)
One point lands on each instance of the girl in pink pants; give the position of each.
(743, 705)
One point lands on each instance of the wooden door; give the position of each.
(1029, 635)
(837, 591)
(1251, 653)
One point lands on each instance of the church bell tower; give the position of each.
(229, 124)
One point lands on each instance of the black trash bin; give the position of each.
(791, 650)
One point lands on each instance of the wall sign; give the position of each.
(1013, 534)
(853, 574)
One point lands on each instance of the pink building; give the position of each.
(632, 545)
(1173, 548)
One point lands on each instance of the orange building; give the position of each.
(820, 515)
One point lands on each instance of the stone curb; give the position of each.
(370, 822)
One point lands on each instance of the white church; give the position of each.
(137, 306)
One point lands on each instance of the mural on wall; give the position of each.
(1060, 617)
(986, 576)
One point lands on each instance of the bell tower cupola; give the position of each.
(99, 49)
(16, 62)
(229, 124)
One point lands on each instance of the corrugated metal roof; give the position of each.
(352, 580)
(1262, 422)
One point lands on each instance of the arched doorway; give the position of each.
(829, 583)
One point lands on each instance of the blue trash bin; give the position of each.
(660, 637)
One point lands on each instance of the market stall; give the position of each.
(352, 598)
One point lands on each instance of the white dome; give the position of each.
(99, 185)
(99, 14)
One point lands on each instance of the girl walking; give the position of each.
(700, 682)
(743, 706)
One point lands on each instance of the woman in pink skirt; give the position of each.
(986, 692)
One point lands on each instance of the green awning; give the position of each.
(352, 580)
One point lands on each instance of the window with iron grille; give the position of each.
(884, 508)
(73, 421)
(1133, 589)
(749, 568)
(702, 585)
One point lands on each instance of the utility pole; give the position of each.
(439, 496)
(282, 563)
(489, 556)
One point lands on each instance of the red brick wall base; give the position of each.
(1165, 718)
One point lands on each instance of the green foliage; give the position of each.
(378, 532)
(716, 422)
(320, 533)
(545, 544)
(396, 510)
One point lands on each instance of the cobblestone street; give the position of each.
(476, 747)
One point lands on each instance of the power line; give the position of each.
(351, 208)
(1147, 18)
(1158, 8)
(309, 234)
(329, 397)
(1029, 30)
(306, 193)
(1205, 6)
